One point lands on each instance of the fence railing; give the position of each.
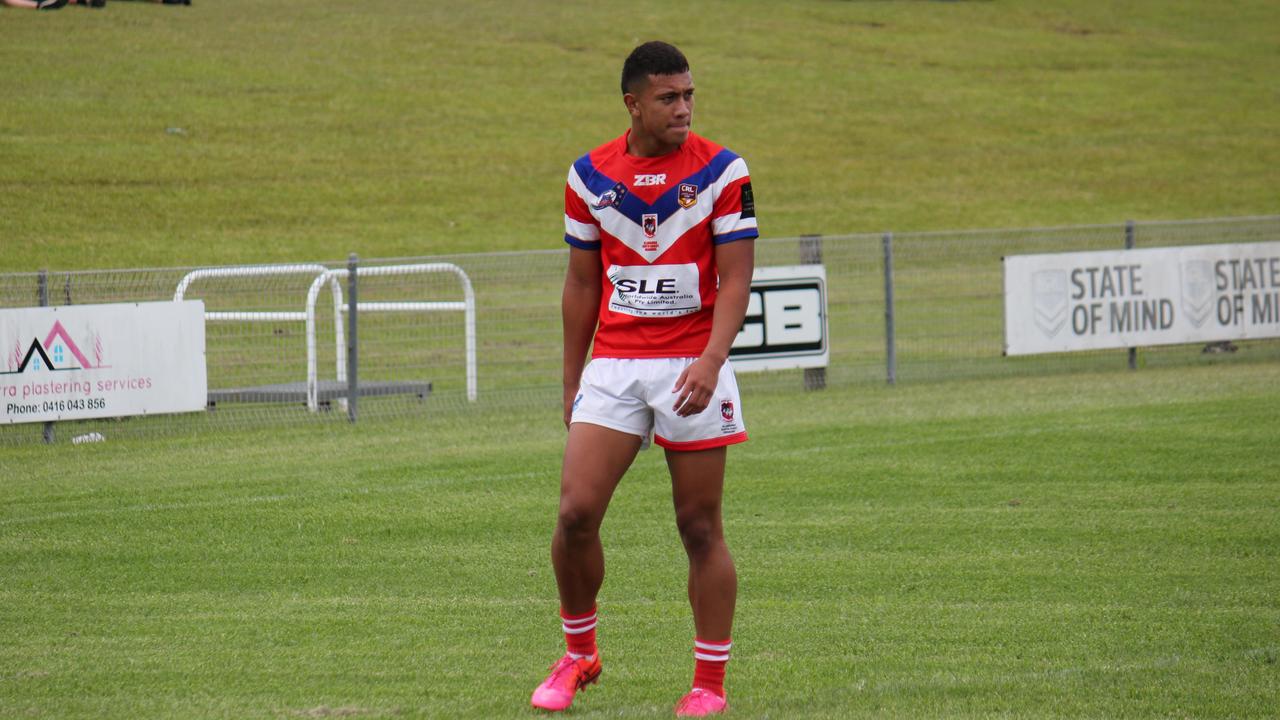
(941, 293)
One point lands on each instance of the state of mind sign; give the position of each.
(1063, 302)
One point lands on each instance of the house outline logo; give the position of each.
(39, 352)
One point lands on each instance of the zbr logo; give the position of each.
(648, 180)
(52, 353)
(650, 225)
(726, 410)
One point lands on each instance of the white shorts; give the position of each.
(634, 396)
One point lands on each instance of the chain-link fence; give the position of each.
(467, 335)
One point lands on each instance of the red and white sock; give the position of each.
(710, 657)
(579, 634)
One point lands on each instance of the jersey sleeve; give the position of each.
(733, 216)
(581, 229)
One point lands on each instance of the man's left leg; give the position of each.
(697, 483)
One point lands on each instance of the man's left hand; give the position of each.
(695, 387)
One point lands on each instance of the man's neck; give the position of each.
(647, 146)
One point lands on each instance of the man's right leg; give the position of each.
(595, 460)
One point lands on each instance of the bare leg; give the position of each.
(697, 483)
(595, 459)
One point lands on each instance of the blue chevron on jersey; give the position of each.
(668, 204)
(658, 236)
(635, 208)
(597, 182)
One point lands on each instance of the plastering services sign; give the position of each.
(1129, 298)
(786, 322)
(89, 361)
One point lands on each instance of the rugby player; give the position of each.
(661, 227)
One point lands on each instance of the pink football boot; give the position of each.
(567, 677)
(700, 703)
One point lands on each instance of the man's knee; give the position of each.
(577, 522)
(699, 531)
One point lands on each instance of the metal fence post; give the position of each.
(811, 254)
(353, 356)
(891, 355)
(1128, 245)
(43, 289)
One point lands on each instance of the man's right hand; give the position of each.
(570, 395)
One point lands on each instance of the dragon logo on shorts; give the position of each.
(726, 410)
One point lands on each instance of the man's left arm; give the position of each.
(735, 262)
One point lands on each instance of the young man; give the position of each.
(661, 227)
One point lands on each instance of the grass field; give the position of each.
(242, 131)
(1076, 544)
(1082, 546)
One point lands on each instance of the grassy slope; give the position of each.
(307, 130)
(1095, 545)
(1077, 546)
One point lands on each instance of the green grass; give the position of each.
(1071, 545)
(1098, 545)
(240, 131)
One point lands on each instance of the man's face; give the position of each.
(663, 107)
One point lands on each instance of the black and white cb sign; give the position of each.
(786, 322)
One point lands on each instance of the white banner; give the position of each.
(1130, 298)
(89, 361)
(786, 322)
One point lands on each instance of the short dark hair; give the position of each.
(652, 58)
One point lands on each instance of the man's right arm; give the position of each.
(580, 311)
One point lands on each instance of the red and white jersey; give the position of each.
(656, 222)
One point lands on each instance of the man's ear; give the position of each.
(632, 103)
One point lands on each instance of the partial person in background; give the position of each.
(51, 4)
(35, 4)
(59, 4)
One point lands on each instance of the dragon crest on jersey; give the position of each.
(656, 224)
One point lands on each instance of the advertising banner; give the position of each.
(1064, 302)
(786, 322)
(90, 361)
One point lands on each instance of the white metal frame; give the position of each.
(333, 278)
(467, 306)
(261, 271)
